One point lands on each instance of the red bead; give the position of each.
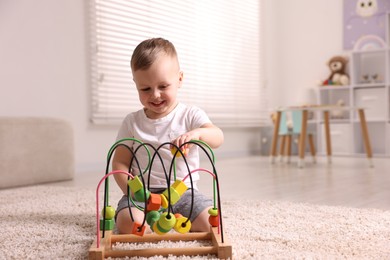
(214, 221)
(137, 229)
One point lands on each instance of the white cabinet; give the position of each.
(369, 88)
(374, 101)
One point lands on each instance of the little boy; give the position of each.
(157, 76)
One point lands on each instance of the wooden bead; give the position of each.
(175, 196)
(178, 215)
(154, 202)
(158, 230)
(213, 212)
(167, 222)
(164, 201)
(135, 184)
(110, 212)
(140, 195)
(138, 229)
(182, 228)
(214, 221)
(178, 154)
(180, 187)
(152, 216)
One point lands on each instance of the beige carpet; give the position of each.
(49, 222)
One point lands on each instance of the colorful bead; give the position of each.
(110, 212)
(164, 201)
(175, 196)
(178, 154)
(109, 224)
(181, 226)
(180, 187)
(158, 230)
(167, 222)
(152, 216)
(154, 202)
(138, 229)
(140, 195)
(135, 184)
(213, 212)
(178, 215)
(214, 221)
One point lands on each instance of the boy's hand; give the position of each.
(191, 135)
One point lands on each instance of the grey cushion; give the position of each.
(35, 150)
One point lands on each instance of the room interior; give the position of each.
(44, 68)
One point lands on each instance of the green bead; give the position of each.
(152, 216)
(140, 195)
(110, 223)
(167, 222)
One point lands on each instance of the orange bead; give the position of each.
(154, 202)
(137, 229)
(214, 221)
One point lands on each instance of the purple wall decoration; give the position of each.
(365, 23)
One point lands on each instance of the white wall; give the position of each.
(44, 65)
(302, 35)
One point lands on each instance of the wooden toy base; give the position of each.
(221, 250)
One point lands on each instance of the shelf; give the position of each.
(370, 85)
(334, 87)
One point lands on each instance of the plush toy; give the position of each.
(338, 76)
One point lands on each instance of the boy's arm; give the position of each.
(121, 161)
(208, 133)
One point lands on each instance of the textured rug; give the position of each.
(50, 222)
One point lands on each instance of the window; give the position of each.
(219, 46)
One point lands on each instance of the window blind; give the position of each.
(219, 44)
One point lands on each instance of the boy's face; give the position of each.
(157, 86)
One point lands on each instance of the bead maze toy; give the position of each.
(157, 208)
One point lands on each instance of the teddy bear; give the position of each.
(338, 76)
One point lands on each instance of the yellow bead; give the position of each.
(213, 212)
(157, 230)
(182, 228)
(110, 212)
(167, 222)
(175, 196)
(135, 184)
(164, 201)
(178, 154)
(180, 187)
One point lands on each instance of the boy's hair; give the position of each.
(147, 52)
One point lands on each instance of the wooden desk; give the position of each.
(325, 110)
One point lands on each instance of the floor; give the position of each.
(346, 182)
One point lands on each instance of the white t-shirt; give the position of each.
(158, 131)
